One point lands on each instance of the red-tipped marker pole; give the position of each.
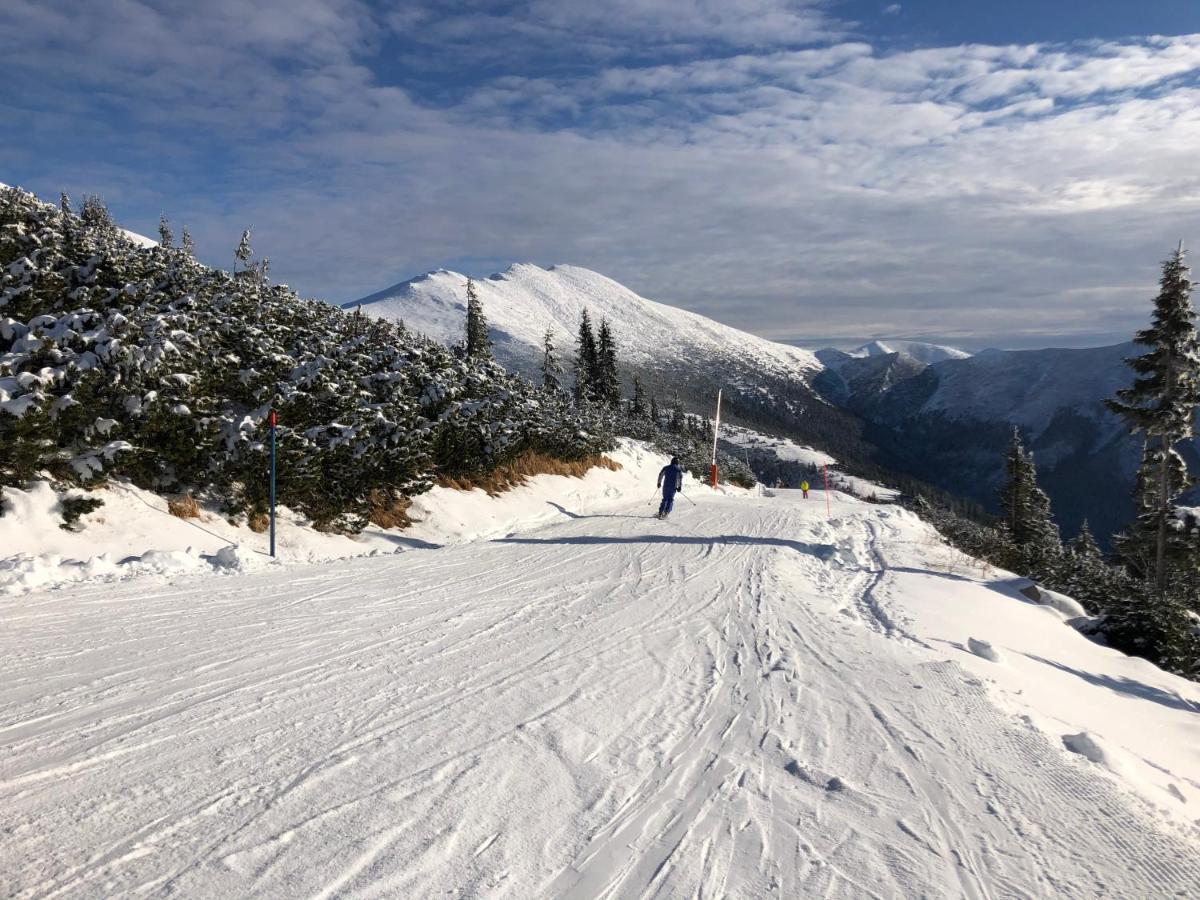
(716, 428)
(825, 470)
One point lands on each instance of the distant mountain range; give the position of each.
(937, 413)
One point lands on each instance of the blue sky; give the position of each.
(979, 173)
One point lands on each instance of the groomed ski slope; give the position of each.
(734, 703)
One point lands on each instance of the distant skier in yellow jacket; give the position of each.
(804, 488)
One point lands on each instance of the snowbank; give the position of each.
(1142, 725)
(133, 534)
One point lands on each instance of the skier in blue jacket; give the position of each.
(670, 479)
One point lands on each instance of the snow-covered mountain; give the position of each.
(950, 421)
(524, 301)
(921, 352)
(670, 349)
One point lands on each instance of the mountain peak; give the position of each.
(525, 300)
(918, 350)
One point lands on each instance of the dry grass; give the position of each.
(185, 507)
(388, 510)
(524, 467)
(259, 522)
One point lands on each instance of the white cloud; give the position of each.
(830, 189)
(892, 9)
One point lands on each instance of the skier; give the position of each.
(670, 479)
(804, 488)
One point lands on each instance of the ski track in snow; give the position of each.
(726, 704)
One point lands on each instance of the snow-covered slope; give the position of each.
(748, 700)
(921, 352)
(140, 239)
(1031, 387)
(525, 300)
(672, 351)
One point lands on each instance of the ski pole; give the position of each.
(687, 498)
(652, 496)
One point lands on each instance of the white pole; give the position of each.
(716, 430)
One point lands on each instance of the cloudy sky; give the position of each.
(983, 173)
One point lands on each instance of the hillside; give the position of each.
(949, 422)
(120, 358)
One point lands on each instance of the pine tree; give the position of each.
(479, 345)
(637, 408)
(1161, 404)
(94, 213)
(64, 203)
(243, 252)
(676, 417)
(1085, 544)
(608, 383)
(551, 368)
(655, 415)
(1027, 511)
(165, 238)
(186, 242)
(585, 361)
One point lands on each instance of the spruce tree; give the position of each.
(637, 409)
(1085, 543)
(243, 252)
(165, 238)
(1027, 512)
(189, 247)
(585, 361)
(479, 345)
(1161, 404)
(551, 368)
(608, 383)
(64, 203)
(655, 415)
(94, 213)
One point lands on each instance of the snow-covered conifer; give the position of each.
(585, 361)
(637, 407)
(1161, 404)
(1027, 510)
(551, 368)
(165, 238)
(243, 252)
(607, 381)
(478, 344)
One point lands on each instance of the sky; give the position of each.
(977, 173)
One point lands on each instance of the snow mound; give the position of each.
(133, 533)
(1087, 746)
(1061, 602)
(984, 650)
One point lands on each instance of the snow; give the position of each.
(751, 699)
(921, 352)
(783, 448)
(129, 534)
(984, 650)
(139, 239)
(525, 300)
